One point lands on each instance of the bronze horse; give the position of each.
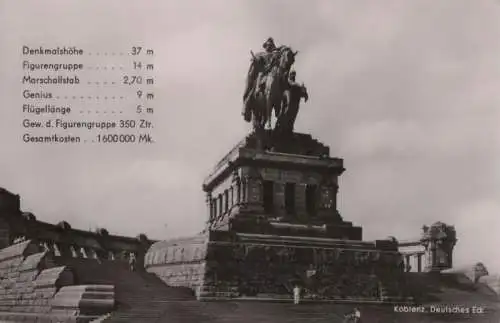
(267, 90)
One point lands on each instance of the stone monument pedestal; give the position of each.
(273, 224)
(291, 188)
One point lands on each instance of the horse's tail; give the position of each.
(253, 72)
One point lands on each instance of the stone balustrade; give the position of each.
(63, 240)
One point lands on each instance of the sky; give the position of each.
(405, 91)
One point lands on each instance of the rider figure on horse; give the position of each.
(267, 57)
(261, 64)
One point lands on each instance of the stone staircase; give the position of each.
(142, 297)
(139, 296)
(264, 312)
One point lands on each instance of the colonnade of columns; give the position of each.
(412, 257)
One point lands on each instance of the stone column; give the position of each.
(235, 189)
(57, 251)
(208, 201)
(407, 262)
(231, 197)
(238, 191)
(419, 262)
(243, 188)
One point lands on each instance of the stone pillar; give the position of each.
(254, 199)
(74, 253)
(419, 262)
(300, 199)
(279, 198)
(407, 263)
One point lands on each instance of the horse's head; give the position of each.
(287, 57)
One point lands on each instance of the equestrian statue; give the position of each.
(270, 86)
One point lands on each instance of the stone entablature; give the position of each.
(242, 155)
(297, 144)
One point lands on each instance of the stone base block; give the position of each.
(234, 265)
(93, 300)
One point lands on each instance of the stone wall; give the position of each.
(178, 262)
(223, 265)
(330, 272)
(29, 284)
